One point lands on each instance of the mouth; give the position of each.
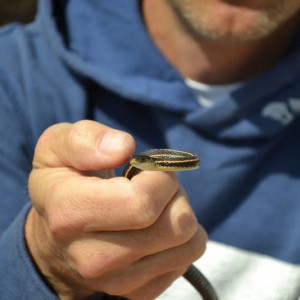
(143, 165)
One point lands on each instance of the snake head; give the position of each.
(143, 162)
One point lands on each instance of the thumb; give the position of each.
(84, 145)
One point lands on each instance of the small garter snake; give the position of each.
(172, 160)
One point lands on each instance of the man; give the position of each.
(219, 78)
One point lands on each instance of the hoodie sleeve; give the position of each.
(19, 279)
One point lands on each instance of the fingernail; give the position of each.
(112, 142)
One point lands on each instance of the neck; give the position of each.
(209, 61)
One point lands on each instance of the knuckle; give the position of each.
(189, 252)
(153, 288)
(87, 269)
(85, 260)
(187, 224)
(46, 136)
(197, 245)
(62, 218)
(146, 210)
(202, 241)
(92, 261)
(58, 223)
(78, 137)
(43, 154)
(117, 289)
(123, 284)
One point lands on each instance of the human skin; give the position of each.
(86, 234)
(218, 41)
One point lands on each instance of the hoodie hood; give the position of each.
(135, 69)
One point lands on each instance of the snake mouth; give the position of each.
(143, 163)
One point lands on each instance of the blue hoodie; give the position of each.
(246, 193)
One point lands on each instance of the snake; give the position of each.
(172, 160)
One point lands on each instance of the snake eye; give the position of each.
(143, 159)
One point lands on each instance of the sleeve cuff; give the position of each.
(19, 278)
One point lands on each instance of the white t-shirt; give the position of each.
(208, 95)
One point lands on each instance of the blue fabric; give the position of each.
(19, 279)
(246, 193)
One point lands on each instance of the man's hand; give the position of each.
(113, 235)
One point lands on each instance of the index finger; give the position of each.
(115, 204)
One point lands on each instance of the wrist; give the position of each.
(49, 263)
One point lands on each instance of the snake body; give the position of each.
(172, 160)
